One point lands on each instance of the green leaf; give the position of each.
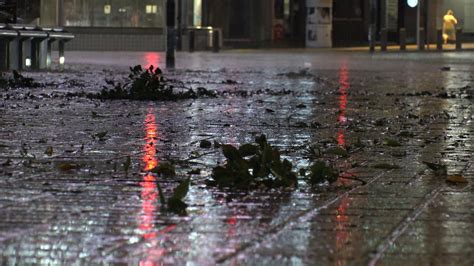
(248, 150)
(438, 169)
(181, 190)
(230, 152)
(321, 172)
(126, 165)
(164, 169)
(261, 140)
(161, 195)
(177, 206)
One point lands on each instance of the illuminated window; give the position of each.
(151, 9)
(107, 9)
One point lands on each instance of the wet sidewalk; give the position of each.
(387, 207)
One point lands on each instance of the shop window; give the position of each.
(151, 9)
(114, 13)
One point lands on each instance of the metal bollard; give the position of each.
(421, 42)
(25, 59)
(192, 39)
(15, 54)
(372, 38)
(35, 54)
(49, 49)
(4, 63)
(403, 39)
(216, 40)
(439, 39)
(383, 40)
(61, 55)
(459, 39)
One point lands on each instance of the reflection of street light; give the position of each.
(412, 3)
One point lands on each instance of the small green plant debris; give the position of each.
(438, 169)
(127, 164)
(175, 203)
(68, 166)
(101, 136)
(320, 172)
(253, 166)
(17, 80)
(205, 144)
(49, 151)
(164, 169)
(149, 84)
(392, 143)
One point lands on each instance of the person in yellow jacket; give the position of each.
(449, 27)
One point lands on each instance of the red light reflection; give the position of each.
(342, 219)
(151, 59)
(150, 196)
(343, 234)
(149, 193)
(344, 86)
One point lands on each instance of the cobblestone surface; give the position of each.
(98, 213)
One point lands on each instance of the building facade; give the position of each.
(140, 24)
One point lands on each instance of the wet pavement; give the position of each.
(66, 196)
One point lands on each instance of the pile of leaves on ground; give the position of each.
(17, 80)
(149, 84)
(259, 165)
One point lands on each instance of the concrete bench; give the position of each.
(30, 46)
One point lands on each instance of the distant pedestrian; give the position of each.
(449, 27)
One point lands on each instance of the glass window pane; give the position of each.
(114, 13)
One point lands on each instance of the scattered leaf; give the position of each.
(253, 166)
(165, 169)
(49, 151)
(101, 135)
(126, 165)
(205, 144)
(68, 166)
(321, 172)
(392, 143)
(456, 179)
(438, 169)
(148, 84)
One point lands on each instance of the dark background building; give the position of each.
(140, 24)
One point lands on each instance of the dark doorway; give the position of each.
(239, 20)
(349, 27)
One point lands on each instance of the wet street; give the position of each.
(69, 195)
